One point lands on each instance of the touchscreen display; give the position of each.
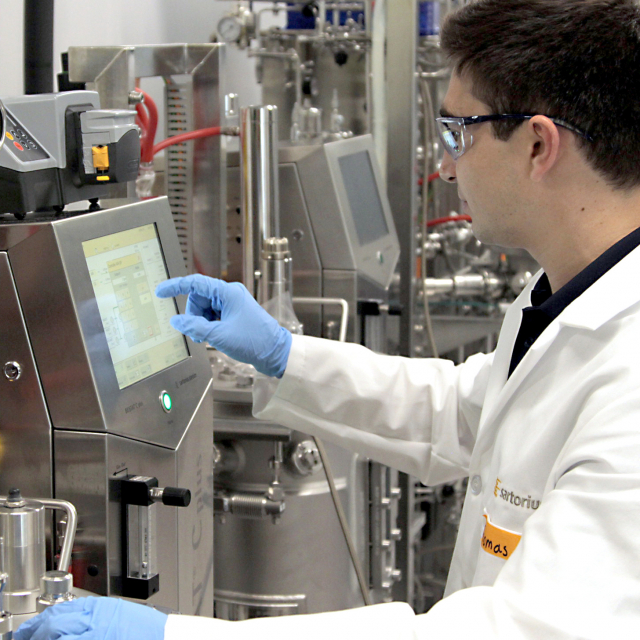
(125, 268)
(364, 197)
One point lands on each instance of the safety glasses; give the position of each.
(456, 139)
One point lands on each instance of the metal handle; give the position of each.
(70, 533)
(344, 318)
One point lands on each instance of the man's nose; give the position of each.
(448, 168)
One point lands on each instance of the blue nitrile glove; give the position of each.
(95, 619)
(229, 319)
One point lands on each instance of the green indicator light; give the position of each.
(166, 401)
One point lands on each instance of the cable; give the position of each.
(142, 120)
(437, 221)
(150, 124)
(364, 588)
(184, 137)
(342, 518)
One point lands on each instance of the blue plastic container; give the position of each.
(295, 19)
(429, 18)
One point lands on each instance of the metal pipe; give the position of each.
(70, 532)
(247, 505)
(38, 46)
(487, 285)
(259, 185)
(292, 55)
(344, 318)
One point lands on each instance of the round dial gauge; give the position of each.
(229, 29)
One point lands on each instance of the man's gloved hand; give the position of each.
(229, 319)
(95, 619)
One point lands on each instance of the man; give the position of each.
(548, 427)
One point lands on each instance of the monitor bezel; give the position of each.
(128, 411)
(377, 259)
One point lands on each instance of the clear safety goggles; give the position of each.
(456, 139)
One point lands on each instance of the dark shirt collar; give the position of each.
(554, 303)
(546, 306)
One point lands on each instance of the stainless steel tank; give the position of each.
(22, 551)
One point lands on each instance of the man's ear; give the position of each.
(544, 140)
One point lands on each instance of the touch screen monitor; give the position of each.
(125, 268)
(363, 207)
(364, 197)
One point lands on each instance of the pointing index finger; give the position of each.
(173, 287)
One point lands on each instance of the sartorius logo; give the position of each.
(514, 499)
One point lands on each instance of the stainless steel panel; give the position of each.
(324, 209)
(194, 470)
(53, 329)
(69, 341)
(25, 430)
(341, 284)
(108, 67)
(200, 219)
(87, 467)
(195, 176)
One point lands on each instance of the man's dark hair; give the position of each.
(577, 60)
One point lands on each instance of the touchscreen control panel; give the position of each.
(125, 268)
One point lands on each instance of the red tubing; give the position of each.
(433, 223)
(184, 137)
(149, 123)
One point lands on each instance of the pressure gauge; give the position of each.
(230, 29)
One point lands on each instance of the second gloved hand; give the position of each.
(227, 317)
(95, 619)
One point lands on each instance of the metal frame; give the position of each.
(99, 405)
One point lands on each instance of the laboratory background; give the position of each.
(290, 146)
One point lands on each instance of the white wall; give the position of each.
(121, 22)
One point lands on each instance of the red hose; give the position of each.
(150, 126)
(184, 137)
(142, 120)
(433, 223)
(433, 176)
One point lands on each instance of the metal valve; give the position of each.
(305, 458)
(55, 587)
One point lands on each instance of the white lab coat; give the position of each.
(553, 455)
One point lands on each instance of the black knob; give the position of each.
(307, 87)
(448, 490)
(341, 58)
(176, 497)
(310, 10)
(14, 495)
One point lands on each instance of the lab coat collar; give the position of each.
(614, 292)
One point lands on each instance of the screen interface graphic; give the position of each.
(125, 268)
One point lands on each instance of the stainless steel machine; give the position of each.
(344, 249)
(342, 238)
(103, 404)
